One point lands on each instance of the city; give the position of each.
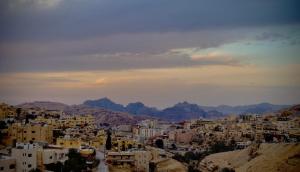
(37, 139)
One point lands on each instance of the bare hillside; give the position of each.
(264, 157)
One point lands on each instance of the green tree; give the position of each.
(18, 111)
(159, 143)
(75, 163)
(108, 143)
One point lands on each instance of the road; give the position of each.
(102, 167)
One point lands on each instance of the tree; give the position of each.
(108, 144)
(159, 143)
(192, 169)
(54, 166)
(220, 146)
(18, 111)
(2, 126)
(188, 156)
(75, 163)
(178, 157)
(173, 146)
(123, 146)
(129, 146)
(152, 166)
(226, 169)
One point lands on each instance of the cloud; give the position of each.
(79, 19)
(113, 61)
(15, 5)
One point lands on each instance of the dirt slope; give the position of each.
(263, 157)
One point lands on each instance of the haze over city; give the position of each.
(158, 52)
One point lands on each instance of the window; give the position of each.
(1, 168)
(50, 157)
(12, 166)
(32, 131)
(29, 155)
(29, 165)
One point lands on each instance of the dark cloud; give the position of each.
(139, 51)
(79, 19)
(291, 38)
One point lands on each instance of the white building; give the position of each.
(150, 132)
(26, 159)
(33, 156)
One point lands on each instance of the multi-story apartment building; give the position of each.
(73, 121)
(181, 136)
(50, 121)
(150, 132)
(30, 156)
(26, 159)
(136, 160)
(125, 144)
(18, 132)
(68, 142)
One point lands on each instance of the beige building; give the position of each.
(68, 142)
(6, 111)
(181, 136)
(7, 164)
(135, 160)
(53, 155)
(18, 132)
(73, 121)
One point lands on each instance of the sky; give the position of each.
(208, 52)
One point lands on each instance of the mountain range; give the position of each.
(102, 116)
(107, 111)
(184, 110)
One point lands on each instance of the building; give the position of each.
(26, 158)
(30, 156)
(150, 132)
(135, 160)
(54, 155)
(68, 142)
(18, 132)
(7, 164)
(181, 136)
(73, 121)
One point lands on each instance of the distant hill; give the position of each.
(293, 110)
(108, 111)
(139, 108)
(105, 115)
(256, 108)
(184, 110)
(105, 103)
(178, 112)
(43, 105)
(102, 115)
